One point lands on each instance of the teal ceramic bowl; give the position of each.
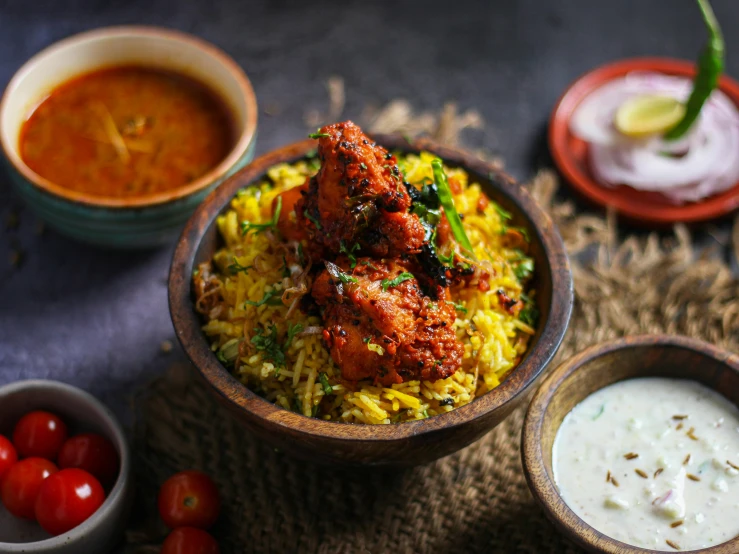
(147, 220)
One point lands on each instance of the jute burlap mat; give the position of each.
(476, 500)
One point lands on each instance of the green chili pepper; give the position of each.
(710, 67)
(447, 202)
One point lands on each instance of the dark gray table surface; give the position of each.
(97, 318)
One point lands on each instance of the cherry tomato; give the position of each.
(189, 540)
(189, 499)
(66, 499)
(8, 455)
(39, 434)
(22, 483)
(93, 453)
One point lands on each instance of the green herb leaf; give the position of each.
(524, 269)
(368, 264)
(273, 297)
(504, 214)
(446, 260)
(530, 314)
(292, 330)
(458, 307)
(524, 232)
(350, 252)
(247, 226)
(269, 345)
(363, 166)
(386, 284)
(318, 134)
(313, 220)
(600, 412)
(710, 66)
(323, 378)
(447, 202)
(336, 273)
(236, 267)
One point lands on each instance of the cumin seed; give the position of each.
(691, 435)
(641, 473)
(672, 544)
(631, 455)
(608, 477)
(677, 523)
(686, 461)
(613, 480)
(679, 426)
(678, 417)
(736, 467)
(659, 470)
(693, 477)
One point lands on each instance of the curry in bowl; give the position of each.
(364, 286)
(127, 131)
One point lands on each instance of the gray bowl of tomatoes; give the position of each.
(64, 471)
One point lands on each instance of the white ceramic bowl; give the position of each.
(146, 220)
(82, 413)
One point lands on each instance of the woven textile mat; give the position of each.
(476, 500)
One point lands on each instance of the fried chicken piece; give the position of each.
(358, 197)
(379, 325)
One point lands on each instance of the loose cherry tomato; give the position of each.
(22, 483)
(189, 540)
(39, 434)
(189, 499)
(93, 453)
(8, 456)
(66, 499)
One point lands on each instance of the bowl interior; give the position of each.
(598, 367)
(82, 413)
(553, 280)
(150, 47)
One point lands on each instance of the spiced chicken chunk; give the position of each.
(380, 325)
(357, 198)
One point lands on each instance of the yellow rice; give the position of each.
(297, 386)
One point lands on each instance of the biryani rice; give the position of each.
(494, 340)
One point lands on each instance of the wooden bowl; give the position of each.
(595, 368)
(401, 444)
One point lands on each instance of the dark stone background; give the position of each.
(96, 318)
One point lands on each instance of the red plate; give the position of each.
(571, 153)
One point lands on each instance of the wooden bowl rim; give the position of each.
(544, 489)
(188, 326)
(642, 211)
(241, 146)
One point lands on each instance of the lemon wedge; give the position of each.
(648, 115)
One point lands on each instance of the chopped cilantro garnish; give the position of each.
(425, 414)
(313, 220)
(292, 330)
(318, 134)
(368, 264)
(504, 214)
(446, 260)
(268, 298)
(363, 166)
(269, 345)
(247, 226)
(524, 269)
(350, 253)
(235, 267)
(458, 307)
(530, 314)
(327, 388)
(386, 284)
